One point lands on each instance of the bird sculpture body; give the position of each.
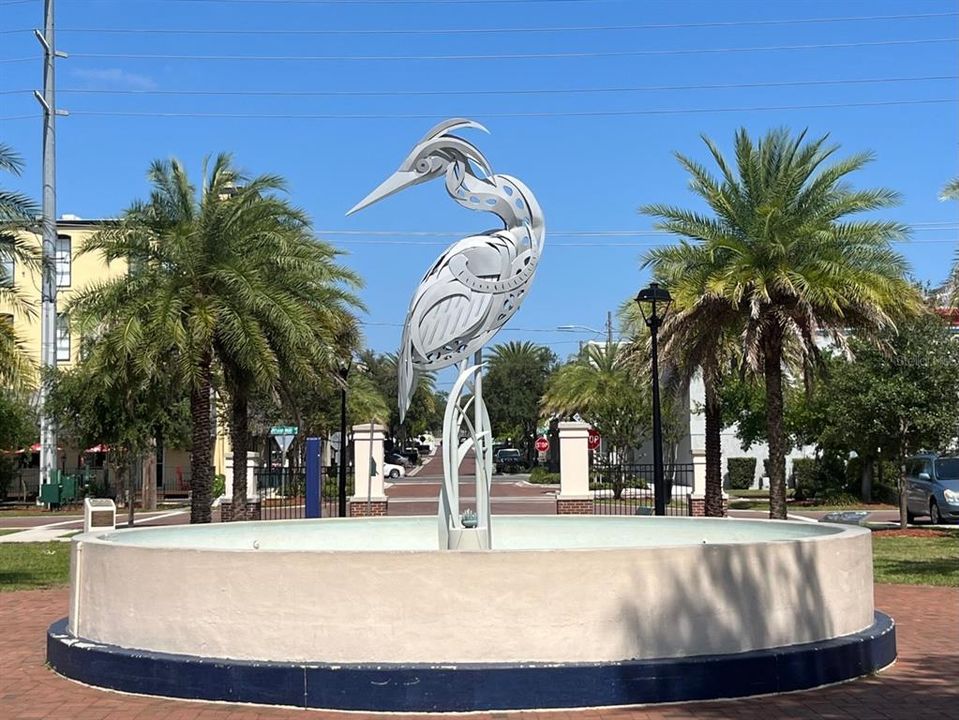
(478, 283)
(474, 287)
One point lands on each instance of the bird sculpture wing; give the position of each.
(462, 301)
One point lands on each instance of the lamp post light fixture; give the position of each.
(654, 303)
(608, 332)
(344, 372)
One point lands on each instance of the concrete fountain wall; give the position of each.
(505, 606)
(505, 611)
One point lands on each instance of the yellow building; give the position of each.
(76, 271)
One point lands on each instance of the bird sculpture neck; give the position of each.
(504, 196)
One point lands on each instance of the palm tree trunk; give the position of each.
(714, 456)
(201, 455)
(238, 439)
(772, 350)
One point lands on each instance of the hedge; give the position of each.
(805, 477)
(742, 472)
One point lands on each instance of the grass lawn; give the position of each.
(758, 493)
(916, 557)
(53, 515)
(26, 566)
(756, 502)
(7, 532)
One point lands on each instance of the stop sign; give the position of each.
(594, 439)
(542, 444)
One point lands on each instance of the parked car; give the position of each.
(508, 460)
(932, 487)
(393, 471)
(395, 458)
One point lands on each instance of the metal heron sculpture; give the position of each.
(466, 296)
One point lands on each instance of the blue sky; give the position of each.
(590, 171)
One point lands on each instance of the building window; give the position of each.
(7, 267)
(63, 338)
(64, 259)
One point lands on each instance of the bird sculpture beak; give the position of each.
(393, 184)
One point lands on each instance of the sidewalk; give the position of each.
(920, 686)
(62, 530)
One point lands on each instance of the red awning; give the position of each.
(35, 448)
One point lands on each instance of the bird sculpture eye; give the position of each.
(423, 166)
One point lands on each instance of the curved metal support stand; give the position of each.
(459, 530)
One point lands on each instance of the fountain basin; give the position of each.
(559, 594)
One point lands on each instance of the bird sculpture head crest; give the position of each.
(429, 159)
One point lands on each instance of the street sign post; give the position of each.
(594, 439)
(283, 434)
(542, 444)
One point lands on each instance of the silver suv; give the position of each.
(932, 487)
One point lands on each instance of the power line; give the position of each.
(506, 56)
(343, 2)
(528, 91)
(917, 227)
(432, 243)
(495, 30)
(533, 114)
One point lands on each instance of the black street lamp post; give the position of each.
(341, 455)
(654, 304)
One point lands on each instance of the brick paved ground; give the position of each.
(921, 686)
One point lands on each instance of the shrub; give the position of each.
(742, 472)
(331, 486)
(219, 485)
(804, 477)
(8, 474)
(541, 476)
(840, 498)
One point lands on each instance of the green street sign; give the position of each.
(281, 430)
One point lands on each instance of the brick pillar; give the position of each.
(253, 511)
(368, 490)
(574, 496)
(375, 508)
(697, 498)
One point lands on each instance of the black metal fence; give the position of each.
(627, 489)
(282, 493)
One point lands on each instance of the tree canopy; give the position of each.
(17, 218)
(601, 388)
(513, 386)
(781, 246)
(228, 276)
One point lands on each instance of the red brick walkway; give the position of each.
(923, 685)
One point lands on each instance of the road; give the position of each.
(510, 495)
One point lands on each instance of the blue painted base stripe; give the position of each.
(425, 688)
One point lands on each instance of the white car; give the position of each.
(393, 471)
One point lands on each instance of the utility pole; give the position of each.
(609, 328)
(48, 292)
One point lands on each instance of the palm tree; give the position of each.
(602, 388)
(951, 192)
(424, 408)
(229, 275)
(17, 217)
(787, 256)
